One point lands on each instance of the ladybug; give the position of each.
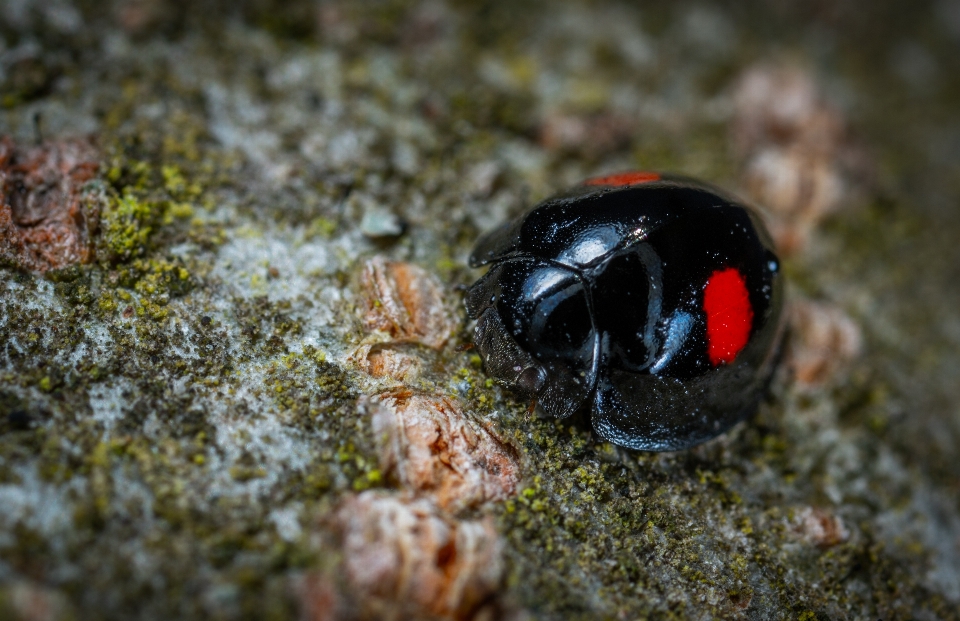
(650, 302)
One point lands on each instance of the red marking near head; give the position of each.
(726, 302)
(620, 179)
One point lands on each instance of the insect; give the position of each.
(651, 302)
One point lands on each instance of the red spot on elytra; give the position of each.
(627, 178)
(726, 302)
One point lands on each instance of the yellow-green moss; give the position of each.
(127, 223)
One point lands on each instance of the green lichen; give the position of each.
(141, 203)
(127, 224)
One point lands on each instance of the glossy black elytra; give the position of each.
(650, 301)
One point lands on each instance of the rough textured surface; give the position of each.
(801, 163)
(433, 448)
(405, 302)
(825, 342)
(181, 420)
(403, 558)
(47, 216)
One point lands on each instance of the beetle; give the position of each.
(650, 302)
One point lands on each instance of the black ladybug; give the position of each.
(650, 301)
